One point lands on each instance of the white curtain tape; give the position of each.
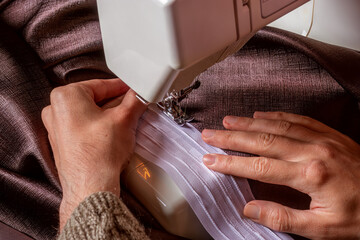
(217, 199)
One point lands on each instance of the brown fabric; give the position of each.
(29, 190)
(341, 63)
(64, 34)
(8, 233)
(47, 43)
(270, 74)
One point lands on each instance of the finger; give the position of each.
(101, 89)
(278, 127)
(327, 133)
(81, 97)
(264, 144)
(258, 168)
(283, 219)
(54, 148)
(113, 103)
(297, 119)
(46, 117)
(130, 110)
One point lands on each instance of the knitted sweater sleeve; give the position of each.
(102, 216)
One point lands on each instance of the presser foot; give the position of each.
(171, 104)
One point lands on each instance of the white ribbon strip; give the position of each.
(217, 199)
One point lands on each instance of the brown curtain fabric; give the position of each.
(276, 70)
(29, 189)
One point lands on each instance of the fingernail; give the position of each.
(252, 211)
(230, 120)
(208, 133)
(209, 159)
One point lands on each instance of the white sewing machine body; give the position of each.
(162, 197)
(157, 46)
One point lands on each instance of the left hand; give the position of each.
(301, 153)
(91, 143)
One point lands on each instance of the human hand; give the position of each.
(301, 153)
(91, 144)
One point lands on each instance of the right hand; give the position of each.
(301, 153)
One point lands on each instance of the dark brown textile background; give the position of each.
(48, 43)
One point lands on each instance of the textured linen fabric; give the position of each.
(64, 34)
(48, 43)
(29, 190)
(102, 216)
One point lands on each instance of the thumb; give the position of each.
(281, 218)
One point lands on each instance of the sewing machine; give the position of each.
(158, 47)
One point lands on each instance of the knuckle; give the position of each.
(230, 139)
(279, 115)
(250, 122)
(266, 139)
(56, 93)
(62, 93)
(279, 220)
(316, 172)
(228, 163)
(326, 150)
(284, 126)
(45, 112)
(125, 112)
(46, 117)
(261, 166)
(305, 119)
(125, 118)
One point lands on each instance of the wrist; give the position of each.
(74, 194)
